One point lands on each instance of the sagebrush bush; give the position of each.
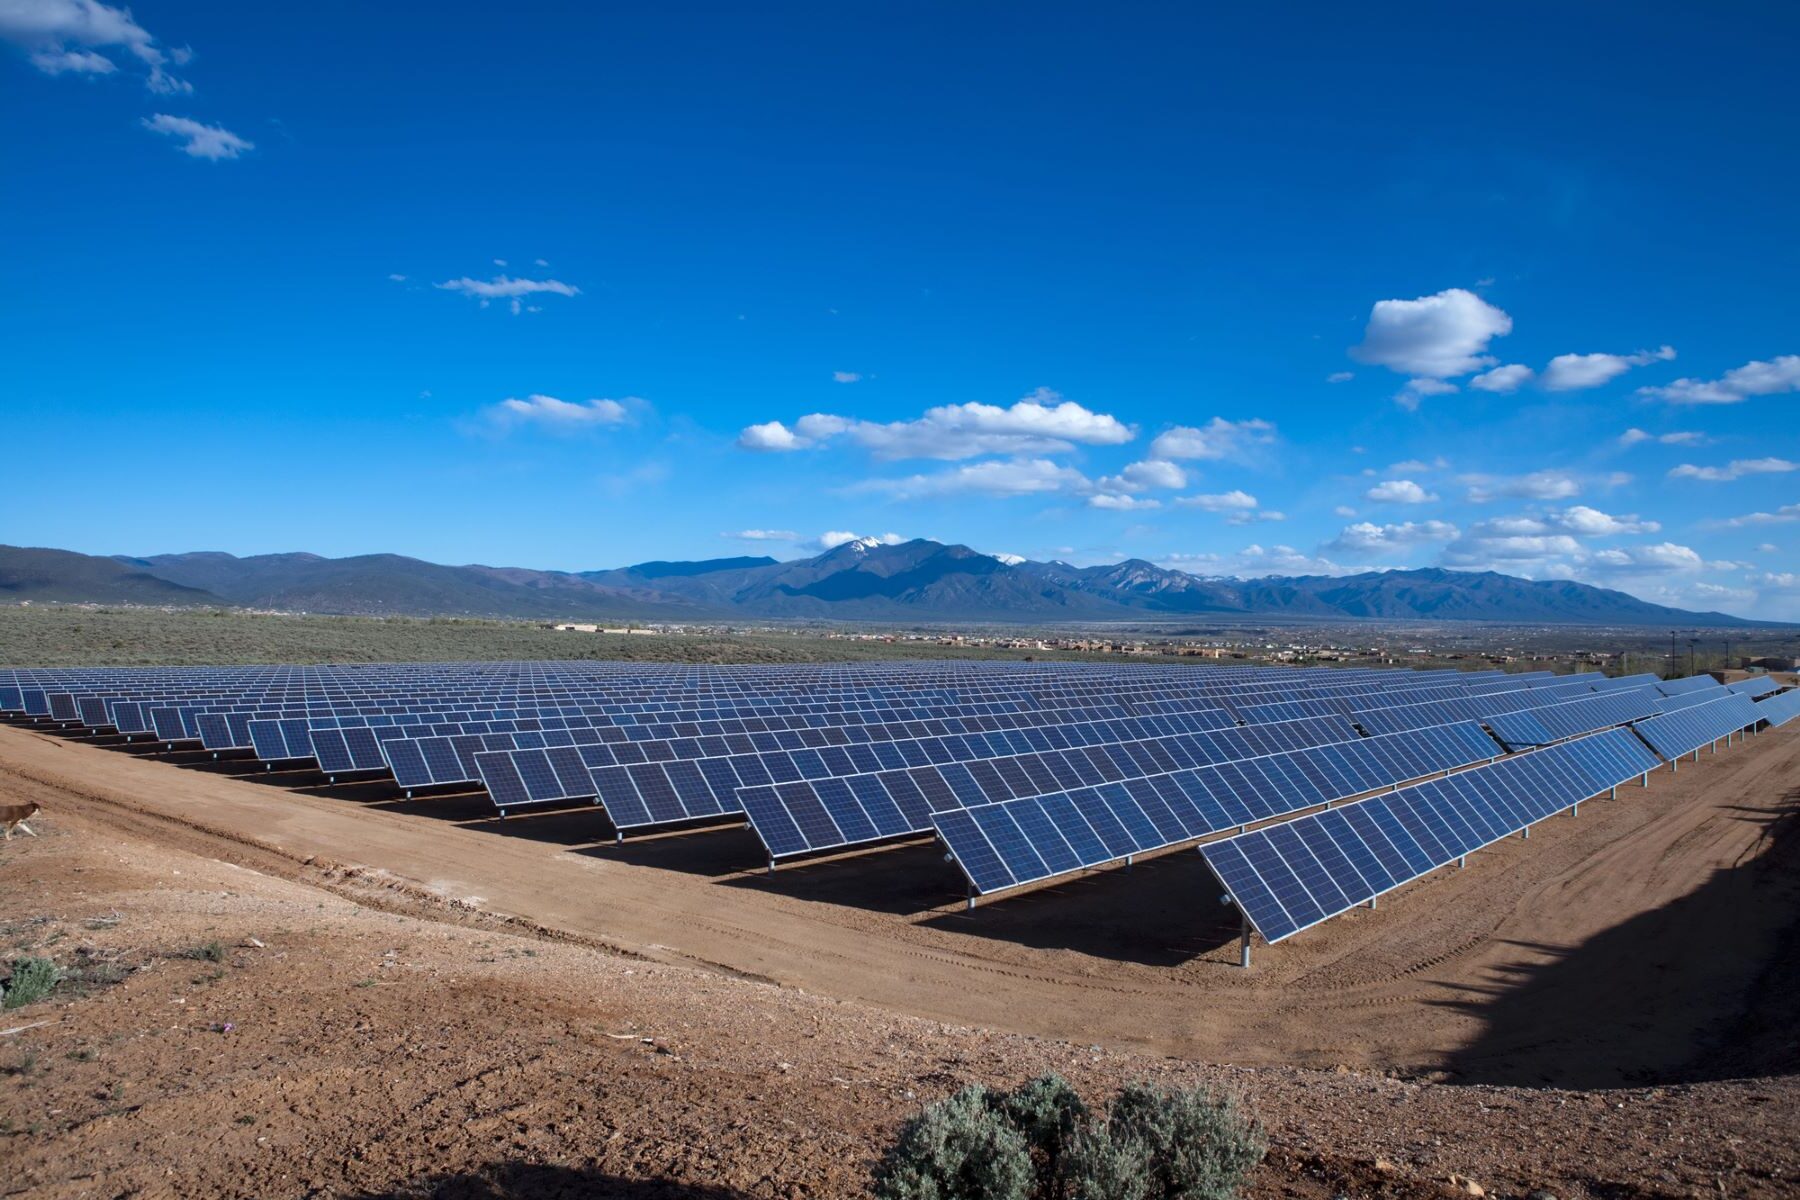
(1041, 1142)
(32, 979)
(1199, 1147)
(962, 1148)
(1098, 1166)
(1049, 1113)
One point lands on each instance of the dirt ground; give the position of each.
(444, 1004)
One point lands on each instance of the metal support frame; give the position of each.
(1525, 832)
(1462, 861)
(1243, 941)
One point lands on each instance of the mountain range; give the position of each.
(862, 580)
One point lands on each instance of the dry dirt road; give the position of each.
(443, 1005)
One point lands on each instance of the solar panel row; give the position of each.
(1779, 709)
(1685, 730)
(1000, 846)
(1289, 877)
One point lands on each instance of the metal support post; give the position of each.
(1244, 944)
(1525, 832)
(1462, 862)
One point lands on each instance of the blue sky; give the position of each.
(1312, 289)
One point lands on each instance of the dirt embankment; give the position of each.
(440, 1007)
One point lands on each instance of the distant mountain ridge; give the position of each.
(862, 580)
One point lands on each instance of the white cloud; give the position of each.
(1144, 476)
(1481, 547)
(1415, 390)
(1366, 537)
(1576, 372)
(1012, 477)
(1735, 469)
(1344, 510)
(1509, 378)
(1754, 378)
(1583, 521)
(50, 28)
(1340, 377)
(1632, 437)
(203, 141)
(1768, 548)
(1222, 502)
(762, 535)
(1119, 503)
(1433, 336)
(1664, 556)
(397, 278)
(770, 435)
(1781, 516)
(72, 62)
(1041, 423)
(1217, 439)
(1539, 485)
(845, 376)
(1399, 491)
(1256, 560)
(1416, 466)
(503, 287)
(550, 413)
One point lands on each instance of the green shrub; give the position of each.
(213, 951)
(1098, 1166)
(1043, 1143)
(32, 979)
(962, 1148)
(1199, 1147)
(1047, 1111)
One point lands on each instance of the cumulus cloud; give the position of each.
(1755, 378)
(62, 37)
(1221, 502)
(72, 62)
(1217, 439)
(1577, 372)
(1416, 390)
(1484, 546)
(1340, 377)
(1664, 556)
(1041, 423)
(1012, 477)
(1509, 378)
(845, 376)
(1144, 476)
(1257, 560)
(1399, 491)
(1781, 516)
(547, 412)
(503, 287)
(770, 435)
(761, 535)
(1121, 503)
(1583, 521)
(1432, 337)
(1735, 469)
(1366, 537)
(1634, 436)
(1539, 485)
(212, 142)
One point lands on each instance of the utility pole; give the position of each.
(1692, 642)
(1672, 636)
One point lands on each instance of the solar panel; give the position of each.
(1289, 877)
(1094, 826)
(1779, 709)
(1685, 730)
(1755, 687)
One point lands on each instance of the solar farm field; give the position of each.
(848, 884)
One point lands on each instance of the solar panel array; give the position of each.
(1289, 877)
(1025, 771)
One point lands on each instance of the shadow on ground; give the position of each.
(1705, 987)
(1160, 912)
(535, 1181)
